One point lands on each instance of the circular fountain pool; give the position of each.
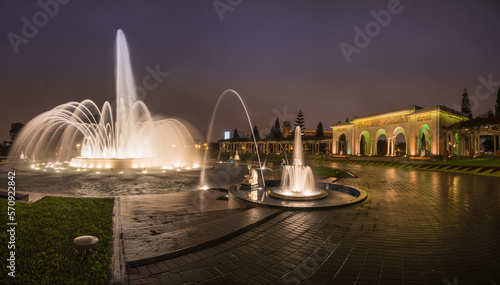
(288, 193)
(337, 195)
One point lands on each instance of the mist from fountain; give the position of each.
(90, 137)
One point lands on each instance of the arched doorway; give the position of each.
(382, 145)
(400, 144)
(342, 144)
(424, 141)
(364, 143)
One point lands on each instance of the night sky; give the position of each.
(281, 56)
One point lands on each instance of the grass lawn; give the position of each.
(476, 166)
(44, 241)
(329, 172)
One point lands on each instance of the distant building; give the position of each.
(414, 131)
(467, 138)
(307, 133)
(311, 143)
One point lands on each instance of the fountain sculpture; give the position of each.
(251, 179)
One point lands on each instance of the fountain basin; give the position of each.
(287, 193)
(337, 196)
(116, 163)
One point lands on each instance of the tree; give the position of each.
(5, 147)
(466, 109)
(15, 128)
(490, 113)
(319, 130)
(299, 121)
(488, 144)
(236, 135)
(276, 130)
(347, 119)
(2, 150)
(256, 133)
(497, 106)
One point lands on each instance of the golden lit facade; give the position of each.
(421, 130)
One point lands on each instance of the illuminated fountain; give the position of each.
(296, 189)
(297, 180)
(89, 137)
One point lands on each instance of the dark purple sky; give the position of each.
(279, 55)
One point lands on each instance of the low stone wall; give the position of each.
(237, 203)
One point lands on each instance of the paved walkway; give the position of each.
(415, 227)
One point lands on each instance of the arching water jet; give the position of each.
(203, 178)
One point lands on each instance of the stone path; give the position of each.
(415, 227)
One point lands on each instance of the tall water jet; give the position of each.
(297, 180)
(89, 137)
(298, 177)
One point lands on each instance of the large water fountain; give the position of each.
(297, 180)
(89, 137)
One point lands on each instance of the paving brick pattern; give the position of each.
(415, 227)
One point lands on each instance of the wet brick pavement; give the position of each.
(415, 227)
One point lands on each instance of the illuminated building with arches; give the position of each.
(421, 130)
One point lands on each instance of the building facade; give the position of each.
(422, 130)
(471, 136)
